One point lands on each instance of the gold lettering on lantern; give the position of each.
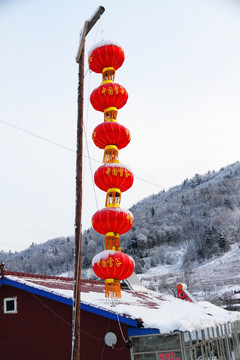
(94, 134)
(122, 91)
(104, 90)
(90, 59)
(128, 217)
(110, 91)
(110, 262)
(114, 171)
(104, 263)
(120, 171)
(116, 89)
(108, 170)
(118, 262)
(127, 173)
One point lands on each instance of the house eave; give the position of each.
(68, 301)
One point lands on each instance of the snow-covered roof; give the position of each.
(157, 311)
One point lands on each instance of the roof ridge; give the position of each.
(54, 277)
(18, 273)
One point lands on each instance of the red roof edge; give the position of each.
(5, 272)
(39, 276)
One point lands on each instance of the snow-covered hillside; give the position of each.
(210, 280)
(190, 233)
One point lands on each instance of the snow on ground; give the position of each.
(219, 275)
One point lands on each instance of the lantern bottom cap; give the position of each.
(111, 281)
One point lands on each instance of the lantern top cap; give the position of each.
(102, 43)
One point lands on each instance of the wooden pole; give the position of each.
(78, 230)
(78, 217)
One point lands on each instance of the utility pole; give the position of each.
(78, 215)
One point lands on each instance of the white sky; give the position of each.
(182, 73)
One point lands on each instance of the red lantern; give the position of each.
(108, 95)
(112, 219)
(111, 133)
(113, 266)
(104, 55)
(113, 176)
(110, 264)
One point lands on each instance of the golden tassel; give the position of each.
(112, 289)
(112, 241)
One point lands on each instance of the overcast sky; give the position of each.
(182, 73)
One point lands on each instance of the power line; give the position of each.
(38, 136)
(150, 182)
(87, 148)
(67, 148)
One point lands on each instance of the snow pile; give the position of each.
(100, 44)
(168, 314)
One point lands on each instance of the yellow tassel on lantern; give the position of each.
(108, 75)
(110, 154)
(112, 241)
(112, 289)
(110, 114)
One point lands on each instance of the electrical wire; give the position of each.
(53, 312)
(86, 72)
(97, 30)
(66, 322)
(90, 165)
(150, 182)
(67, 148)
(37, 136)
(87, 148)
(119, 324)
(102, 30)
(104, 345)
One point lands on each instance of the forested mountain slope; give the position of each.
(177, 230)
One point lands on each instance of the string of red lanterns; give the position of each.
(111, 265)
